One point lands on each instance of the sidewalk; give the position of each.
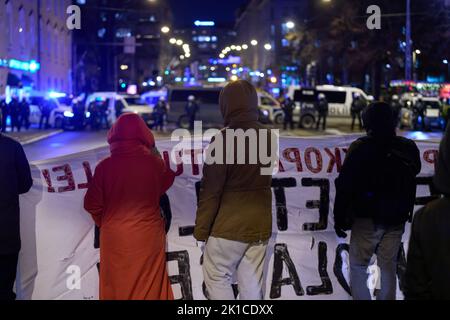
(32, 135)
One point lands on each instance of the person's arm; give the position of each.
(24, 179)
(211, 190)
(417, 282)
(94, 201)
(168, 177)
(344, 188)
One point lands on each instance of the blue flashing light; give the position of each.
(55, 95)
(123, 85)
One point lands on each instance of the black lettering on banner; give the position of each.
(338, 263)
(326, 287)
(401, 267)
(323, 204)
(281, 256)
(434, 193)
(184, 273)
(278, 186)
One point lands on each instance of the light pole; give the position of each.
(408, 50)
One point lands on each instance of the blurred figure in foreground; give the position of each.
(15, 179)
(428, 265)
(123, 199)
(375, 194)
(4, 110)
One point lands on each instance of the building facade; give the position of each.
(36, 46)
(121, 44)
(272, 47)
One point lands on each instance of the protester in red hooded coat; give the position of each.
(123, 199)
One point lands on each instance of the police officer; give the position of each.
(24, 114)
(396, 107)
(419, 112)
(160, 113)
(288, 108)
(191, 111)
(356, 109)
(322, 109)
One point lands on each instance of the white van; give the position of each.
(59, 109)
(339, 99)
(129, 103)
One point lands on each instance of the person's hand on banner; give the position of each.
(339, 232)
(201, 245)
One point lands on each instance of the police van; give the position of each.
(339, 99)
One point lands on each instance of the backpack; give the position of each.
(392, 191)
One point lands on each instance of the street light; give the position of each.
(445, 61)
(221, 56)
(179, 42)
(187, 55)
(173, 40)
(238, 48)
(233, 47)
(254, 42)
(245, 46)
(418, 51)
(290, 25)
(165, 29)
(123, 67)
(268, 46)
(182, 57)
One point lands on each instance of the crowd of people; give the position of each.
(375, 196)
(19, 113)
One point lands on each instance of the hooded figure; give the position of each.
(235, 203)
(375, 194)
(123, 199)
(428, 269)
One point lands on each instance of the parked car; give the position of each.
(433, 114)
(56, 119)
(128, 103)
(209, 110)
(339, 99)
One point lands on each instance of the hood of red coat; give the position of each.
(130, 130)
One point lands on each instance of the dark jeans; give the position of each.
(356, 115)
(8, 269)
(366, 240)
(322, 117)
(44, 121)
(288, 120)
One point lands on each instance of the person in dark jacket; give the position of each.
(419, 110)
(24, 114)
(396, 107)
(322, 109)
(428, 266)
(191, 111)
(288, 109)
(358, 105)
(14, 111)
(15, 179)
(375, 194)
(160, 114)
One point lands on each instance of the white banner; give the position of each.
(305, 259)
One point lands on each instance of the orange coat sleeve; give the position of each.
(167, 178)
(94, 201)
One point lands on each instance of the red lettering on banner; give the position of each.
(308, 160)
(88, 173)
(68, 176)
(280, 167)
(179, 170)
(431, 156)
(194, 159)
(296, 159)
(48, 180)
(335, 159)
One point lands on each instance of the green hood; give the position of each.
(239, 102)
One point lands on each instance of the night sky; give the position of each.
(185, 12)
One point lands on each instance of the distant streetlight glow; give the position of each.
(233, 47)
(445, 61)
(290, 25)
(165, 29)
(238, 48)
(173, 40)
(244, 46)
(273, 79)
(254, 42)
(123, 67)
(234, 78)
(182, 57)
(268, 46)
(221, 56)
(418, 51)
(187, 55)
(179, 42)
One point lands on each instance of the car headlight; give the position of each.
(265, 113)
(68, 114)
